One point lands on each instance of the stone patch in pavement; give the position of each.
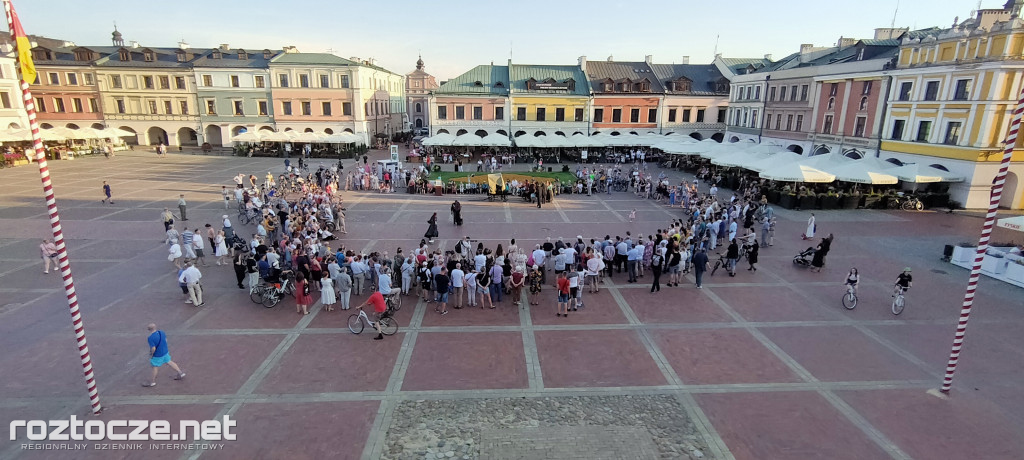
(590, 427)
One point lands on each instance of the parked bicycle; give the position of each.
(907, 203)
(270, 294)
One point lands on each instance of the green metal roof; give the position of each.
(311, 59)
(738, 64)
(519, 73)
(482, 79)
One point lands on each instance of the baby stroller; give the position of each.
(237, 243)
(804, 258)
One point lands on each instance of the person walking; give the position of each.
(168, 219)
(159, 355)
(732, 254)
(302, 297)
(191, 276)
(700, 265)
(174, 253)
(198, 246)
(456, 211)
(106, 193)
(657, 263)
(431, 228)
(181, 207)
(48, 252)
(752, 255)
(344, 285)
(811, 227)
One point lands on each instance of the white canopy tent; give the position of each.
(868, 170)
(1012, 223)
(283, 136)
(248, 136)
(796, 172)
(343, 138)
(440, 139)
(768, 160)
(495, 140)
(922, 174)
(741, 159)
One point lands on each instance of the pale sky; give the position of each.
(456, 35)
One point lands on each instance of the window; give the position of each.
(238, 108)
(768, 121)
(149, 56)
(124, 55)
(952, 133)
(541, 113)
(962, 90)
(40, 104)
(5, 100)
(325, 81)
(120, 105)
(262, 107)
(72, 79)
(931, 91)
(344, 81)
(325, 107)
(671, 115)
(616, 115)
(115, 81)
(778, 122)
(346, 109)
(578, 115)
(168, 107)
(419, 107)
(304, 81)
(207, 80)
(560, 114)
(180, 55)
(184, 107)
(520, 113)
(686, 115)
(753, 119)
(217, 54)
(803, 93)
(748, 92)
(286, 108)
(771, 94)
(782, 93)
(866, 89)
(442, 112)
(499, 113)
(307, 108)
(282, 80)
(652, 115)
(789, 122)
(211, 107)
(234, 81)
(478, 113)
(721, 115)
(54, 78)
(598, 115)
(58, 105)
(152, 107)
(799, 123)
(757, 93)
(460, 112)
(259, 82)
(827, 126)
(745, 116)
(165, 82)
(897, 129)
(147, 82)
(88, 78)
(700, 115)
(864, 103)
(905, 88)
(924, 128)
(859, 125)
(833, 89)
(792, 93)
(94, 105)
(831, 103)
(242, 55)
(179, 82)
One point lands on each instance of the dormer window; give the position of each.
(499, 85)
(242, 55)
(181, 55)
(531, 83)
(83, 55)
(216, 54)
(149, 56)
(681, 85)
(267, 54)
(478, 83)
(606, 87)
(124, 55)
(571, 84)
(42, 54)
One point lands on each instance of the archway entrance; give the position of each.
(188, 137)
(212, 136)
(821, 150)
(697, 136)
(795, 149)
(133, 139)
(1011, 195)
(419, 122)
(718, 137)
(156, 136)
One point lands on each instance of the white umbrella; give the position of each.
(1012, 223)
(309, 137)
(684, 148)
(283, 136)
(869, 170)
(496, 140)
(112, 133)
(761, 161)
(672, 141)
(712, 151)
(527, 140)
(439, 139)
(12, 135)
(796, 172)
(57, 134)
(918, 173)
(467, 140)
(248, 136)
(558, 141)
(582, 140)
(741, 159)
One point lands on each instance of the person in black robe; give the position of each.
(432, 228)
(456, 210)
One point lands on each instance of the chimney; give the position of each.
(768, 56)
(583, 63)
(648, 58)
(224, 47)
(846, 42)
(718, 55)
(183, 45)
(685, 60)
(806, 48)
(290, 49)
(611, 58)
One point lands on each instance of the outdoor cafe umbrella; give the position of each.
(1012, 223)
(529, 141)
(13, 135)
(796, 172)
(495, 140)
(57, 134)
(741, 159)
(918, 173)
(557, 141)
(869, 170)
(440, 139)
(248, 136)
(582, 140)
(467, 140)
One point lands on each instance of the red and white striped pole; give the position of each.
(58, 234)
(986, 233)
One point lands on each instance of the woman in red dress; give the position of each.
(302, 297)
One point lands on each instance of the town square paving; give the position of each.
(765, 365)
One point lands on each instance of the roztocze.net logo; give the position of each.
(75, 429)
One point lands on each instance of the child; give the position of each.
(632, 215)
(106, 191)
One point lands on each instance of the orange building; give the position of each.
(66, 90)
(627, 96)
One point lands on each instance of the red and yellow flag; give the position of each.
(28, 68)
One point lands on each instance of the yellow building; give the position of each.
(952, 96)
(548, 100)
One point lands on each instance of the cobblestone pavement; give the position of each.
(765, 365)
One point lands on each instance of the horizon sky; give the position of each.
(475, 33)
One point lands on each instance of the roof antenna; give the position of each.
(893, 24)
(716, 44)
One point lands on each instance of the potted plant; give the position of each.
(850, 200)
(829, 200)
(809, 201)
(870, 201)
(788, 200)
(1015, 270)
(964, 252)
(773, 196)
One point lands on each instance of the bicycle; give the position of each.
(912, 204)
(898, 300)
(270, 294)
(358, 321)
(721, 262)
(248, 216)
(394, 300)
(850, 298)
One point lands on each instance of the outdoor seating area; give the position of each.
(61, 143)
(273, 143)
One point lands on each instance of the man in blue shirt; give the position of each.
(159, 355)
(632, 259)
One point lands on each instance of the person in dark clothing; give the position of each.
(657, 262)
(241, 267)
(700, 265)
(457, 213)
(432, 228)
(752, 256)
(731, 256)
(821, 251)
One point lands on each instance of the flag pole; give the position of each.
(51, 205)
(986, 233)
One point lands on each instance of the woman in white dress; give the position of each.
(809, 233)
(174, 254)
(221, 249)
(327, 296)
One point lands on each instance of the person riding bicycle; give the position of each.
(852, 279)
(903, 282)
(380, 310)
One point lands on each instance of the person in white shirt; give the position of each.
(458, 279)
(479, 261)
(384, 281)
(191, 276)
(470, 285)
